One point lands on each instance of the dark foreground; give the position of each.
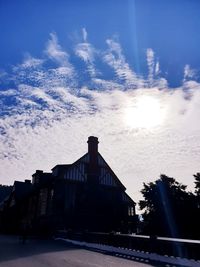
(42, 253)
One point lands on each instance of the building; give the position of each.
(84, 195)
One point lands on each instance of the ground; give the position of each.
(42, 253)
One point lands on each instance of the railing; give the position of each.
(182, 248)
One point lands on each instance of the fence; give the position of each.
(182, 248)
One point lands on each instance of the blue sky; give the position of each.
(125, 71)
(170, 28)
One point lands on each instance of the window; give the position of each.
(131, 211)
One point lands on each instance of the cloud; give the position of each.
(31, 62)
(84, 34)
(151, 65)
(55, 52)
(86, 52)
(189, 73)
(47, 115)
(157, 68)
(154, 78)
(115, 59)
(105, 85)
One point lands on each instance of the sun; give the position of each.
(144, 112)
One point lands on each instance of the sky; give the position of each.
(125, 71)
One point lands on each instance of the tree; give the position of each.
(197, 195)
(166, 205)
(197, 183)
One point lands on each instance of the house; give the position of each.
(84, 195)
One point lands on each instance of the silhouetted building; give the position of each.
(85, 195)
(5, 191)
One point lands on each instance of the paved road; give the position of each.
(43, 253)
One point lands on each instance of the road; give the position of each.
(43, 253)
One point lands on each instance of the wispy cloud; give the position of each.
(84, 34)
(55, 51)
(31, 62)
(154, 79)
(87, 53)
(106, 85)
(47, 115)
(151, 65)
(189, 73)
(115, 59)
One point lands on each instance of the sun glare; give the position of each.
(145, 112)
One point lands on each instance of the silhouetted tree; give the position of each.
(197, 183)
(168, 208)
(197, 211)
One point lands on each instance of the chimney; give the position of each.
(93, 171)
(93, 145)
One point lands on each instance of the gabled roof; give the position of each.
(68, 166)
(114, 175)
(81, 158)
(129, 198)
(64, 166)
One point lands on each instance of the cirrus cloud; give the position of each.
(48, 113)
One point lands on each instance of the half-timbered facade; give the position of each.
(85, 195)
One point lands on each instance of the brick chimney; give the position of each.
(92, 145)
(93, 159)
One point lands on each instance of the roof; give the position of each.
(64, 166)
(129, 198)
(118, 182)
(116, 178)
(67, 166)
